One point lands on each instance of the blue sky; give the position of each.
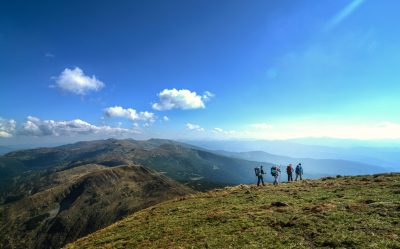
(72, 70)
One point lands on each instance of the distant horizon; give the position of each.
(323, 141)
(385, 157)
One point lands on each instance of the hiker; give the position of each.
(275, 171)
(259, 173)
(299, 172)
(289, 171)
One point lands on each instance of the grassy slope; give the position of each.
(347, 212)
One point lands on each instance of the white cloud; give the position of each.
(261, 126)
(36, 127)
(7, 127)
(75, 81)
(132, 114)
(120, 112)
(181, 99)
(194, 127)
(165, 118)
(148, 116)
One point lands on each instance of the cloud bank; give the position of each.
(37, 127)
(75, 81)
(181, 99)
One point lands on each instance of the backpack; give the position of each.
(257, 171)
(289, 169)
(273, 171)
(298, 169)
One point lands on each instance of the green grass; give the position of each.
(345, 212)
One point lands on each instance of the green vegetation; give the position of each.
(342, 212)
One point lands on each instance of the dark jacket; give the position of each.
(299, 170)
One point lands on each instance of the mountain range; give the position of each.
(52, 196)
(383, 156)
(196, 167)
(313, 168)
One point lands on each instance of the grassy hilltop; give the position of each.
(344, 212)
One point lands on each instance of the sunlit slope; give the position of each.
(345, 212)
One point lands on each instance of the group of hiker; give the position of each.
(276, 172)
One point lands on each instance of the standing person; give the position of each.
(299, 172)
(275, 171)
(259, 173)
(289, 171)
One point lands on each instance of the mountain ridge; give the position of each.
(183, 163)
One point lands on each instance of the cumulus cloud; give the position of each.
(181, 99)
(148, 116)
(165, 118)
(7, 127)
(75, 81)
(132, 114)
(37, 127)
(261, 126)
(194, 127)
